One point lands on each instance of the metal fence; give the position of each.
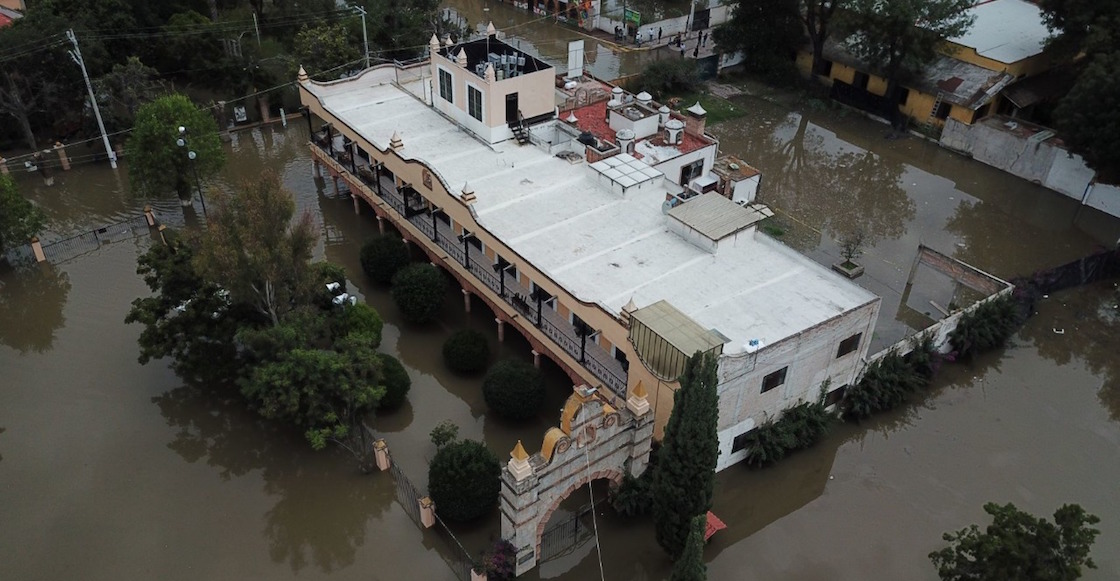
(1099, 266)
(564, 537)
(457, 558)
(60, 251)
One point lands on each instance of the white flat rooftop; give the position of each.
(600, 246)
(1007, 31)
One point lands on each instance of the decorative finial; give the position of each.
(302, 76)
(396, 142)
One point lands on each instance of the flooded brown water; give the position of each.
(112, 470)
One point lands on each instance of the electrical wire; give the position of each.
(594, 521)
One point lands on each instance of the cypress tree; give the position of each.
(682, 480)
(690, 566)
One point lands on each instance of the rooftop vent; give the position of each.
(586, 138)
(674, 129)
(625, 140)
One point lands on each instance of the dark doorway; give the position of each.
(511, 108)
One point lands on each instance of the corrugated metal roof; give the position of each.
(715, 216)
(678, 329)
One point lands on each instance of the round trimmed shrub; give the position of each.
(466, 351)
(396, 381)
(383, 256)
(419, 290)
(514, 390)
(357, 318)
(463, 480)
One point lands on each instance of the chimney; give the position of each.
(663, 115)
(625, 140)
(673, 130)
(694, 120)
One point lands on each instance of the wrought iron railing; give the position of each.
(587, 351)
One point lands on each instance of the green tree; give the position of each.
(255, 251)
(817, 15)
(514, 389)
(1089, 116)
(466, 351)
(768, 32)
(899, 35)
(124, 89)
(36, 73)
(156, 163)
(986, 327)
(685, 471)
(445, 432)
(383, 256)
(464, 480)
(419, 291)
(396, 381)
(668, 76)
(1018, 546)
(19, 218)
(690, 566)
(179, 319)
(326, 47)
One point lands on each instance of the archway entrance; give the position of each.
(593, 441)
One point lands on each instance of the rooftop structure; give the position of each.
(600, 231)
(1007, 31)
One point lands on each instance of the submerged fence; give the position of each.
(564, 537)
(1099, 266)
(60, 251)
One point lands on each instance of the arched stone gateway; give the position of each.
(594, 440)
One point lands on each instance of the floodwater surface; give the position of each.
(113, 470)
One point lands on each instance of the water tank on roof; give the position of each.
(586, 138)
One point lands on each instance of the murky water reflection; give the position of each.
(114, 470)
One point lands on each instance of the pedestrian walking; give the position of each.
(682, 50)
(696, 52)
(659, 34)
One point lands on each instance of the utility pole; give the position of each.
(76, 54)
(257, 29)
(365, 37)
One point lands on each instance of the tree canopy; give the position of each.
(1018, 546)
(325, 48)
(898, 35)
(419, 291)
(156, 163)
(690, 566)
(19, 218)
(685, 471)
(768, 32)
(254, 250)
(514, 389)
(464, 480)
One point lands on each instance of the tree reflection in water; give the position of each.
(323, 508)
(31, 302)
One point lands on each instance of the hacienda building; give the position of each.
(598, 224)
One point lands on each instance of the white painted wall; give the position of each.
(672, 167)
(811, 360)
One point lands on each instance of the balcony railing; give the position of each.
(562, 333)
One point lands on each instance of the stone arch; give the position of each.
(612, 474)
(593, 440)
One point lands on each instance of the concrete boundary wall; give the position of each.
(1043, 162)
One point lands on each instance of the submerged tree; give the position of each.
(896, 35)
(255, 251)
(690, 566)
(1018, 546)
(685, 471)
(767, 32)
(156, 163)
(19, 218)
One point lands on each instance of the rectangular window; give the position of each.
(774, 379)
(740, 442)
(943, 110)
(474, 103)
(835, 396)
(445, 86)
(860, 80)
(848, 345)
(903, 96)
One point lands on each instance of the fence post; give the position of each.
(427, 512)
(62, 159)
(163, 227)
(37, 249)
(3, 166)
(381, 454)
(476, 576)
(149, 216)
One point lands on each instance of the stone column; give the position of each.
(334, 182)
(357, 206)
(427, 512)
(638, 405)
(62, 159)
(501, 330)
(536, 358)
(381, 454)
(149, 216)
(381, 225)
(519, 496)
(37, 249)
(316, 169)
(467, 300)
(3, 166)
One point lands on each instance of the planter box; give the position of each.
(852, 272)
